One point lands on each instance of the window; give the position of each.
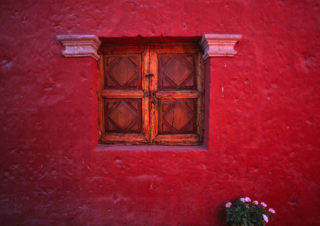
(151, 94)
(163, 108)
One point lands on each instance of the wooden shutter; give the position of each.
(123, 105)
(177, 88)
(151, 94)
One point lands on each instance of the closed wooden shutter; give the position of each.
(123, 104)
(151, 94)
(178, 88)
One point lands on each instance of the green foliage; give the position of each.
(246, 214)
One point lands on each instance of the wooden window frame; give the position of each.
(150, 92)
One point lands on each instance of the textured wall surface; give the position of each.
(263, 121)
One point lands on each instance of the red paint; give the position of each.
(263, 124)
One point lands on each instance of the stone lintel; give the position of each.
(218, 45)
(79, 45)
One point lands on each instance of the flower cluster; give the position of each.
(245, 212)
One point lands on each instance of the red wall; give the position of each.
(263, 121)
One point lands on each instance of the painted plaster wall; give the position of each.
(264, 119)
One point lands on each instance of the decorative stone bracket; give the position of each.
(214, 45)
(217, 45)
(80, 45)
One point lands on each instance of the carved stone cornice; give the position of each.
(217, 45)
(79, 45)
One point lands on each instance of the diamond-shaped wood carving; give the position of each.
(176, 71)
(123, 72)
(177, 116)
(123, 115)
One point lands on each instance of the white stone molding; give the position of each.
(218, 45)
(79, 45)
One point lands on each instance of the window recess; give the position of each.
(151, 94)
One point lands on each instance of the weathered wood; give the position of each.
(108, 49)
(113, 138)
(122, 93)
(184, 48)
(178, 139)
(145, 99)
(176, 71)
(200, 101)
(153, 86)
(177, 116)
(178, 94)
(122, 71)
(123, 115)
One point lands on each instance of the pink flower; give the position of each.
(265, 218)
(228, 204)
(272, 210)
(264, 204)
(255, 202)
(246, 199)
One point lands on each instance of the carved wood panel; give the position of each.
(177, 116)
(176, 71)
(122, 72)
(123, 115)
